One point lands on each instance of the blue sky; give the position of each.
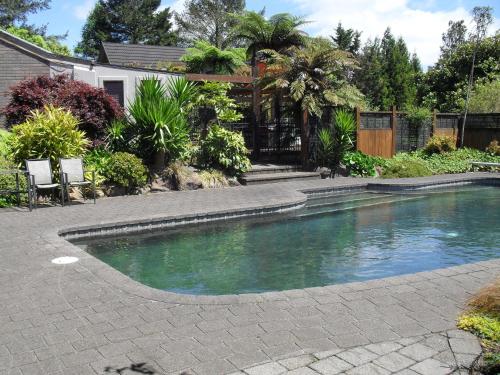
(420, 22)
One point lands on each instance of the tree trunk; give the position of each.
(159, 161)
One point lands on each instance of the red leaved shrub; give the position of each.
(92, 106)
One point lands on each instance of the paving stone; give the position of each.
(431, 367)
(357, 356)
(330, 366)
(327, 353)
(465, 346)
(302, 371)
(382, 348)
(418, 352)
(394, 361)
(272, 368)
(296, 362)
(348, 341)
(218, 366)
(368, 369)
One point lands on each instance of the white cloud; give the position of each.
(82, 10)
(177, 6)
(420, 28)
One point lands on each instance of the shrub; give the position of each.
(225, 150)
(126, 170)
(8, 182)
(4, 145)
(52, 133)
(362, 165)
(212, 178)
(405, 165)
(97, 160)
(459, 161)
(93, 107)
(493, 148)
(440, 144)
(417, 116)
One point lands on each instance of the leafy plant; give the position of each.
(224, 150)
(493, 148)
(126, 170)
(50, 43)
(458, 161)
(215, 95)
(4, 147)
(8, 183)
(93, 107)
(439, 144)
(206, 58)
(417, 116)
(326, 148)
(116, 139)
(182, 91)
(159, 121)
(362, 165)
(406, 165)
(97, 160)
(52, 133)
(212, 178)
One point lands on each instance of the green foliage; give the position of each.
(126, 21)
(97, 160)
(336, 140)
(362, 165)
(8, 183)
(159, 119)
(4, 143)
(214, 95)
(458, 161)
(445, 84)
(276, 33)
(314, 77)
(206, 58)
(210, 21)
(439, 145)
(483, 325)
(116, 135)
(418, 116)
(52, 133)
(388, 74)
(492, 149)
(406, 165)
(18, 10)
(486, 96)
(126, 170)
(50, 43)
(224, 150)
(347, 39)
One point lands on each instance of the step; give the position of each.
(266, 168)
(268, 178)
(350, 198)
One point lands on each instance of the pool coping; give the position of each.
(123, 282)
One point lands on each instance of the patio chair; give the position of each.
(40, 178)
(73, 175)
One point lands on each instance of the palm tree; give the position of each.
(278, 33)
(313, 77)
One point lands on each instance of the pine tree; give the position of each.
(210, 21)
(347, 39)
(126, 21)
(12, 11)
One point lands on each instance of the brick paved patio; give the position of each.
(84, 317)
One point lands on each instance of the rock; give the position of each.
(342, 170)
(158, 185)
(114, 190)
(75, 193)
(324, 172)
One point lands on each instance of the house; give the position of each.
(140, 55)
(20, 59)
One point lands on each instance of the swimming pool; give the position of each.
(334, 239)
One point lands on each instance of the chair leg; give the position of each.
(62, 195)
(35, 197)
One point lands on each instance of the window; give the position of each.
(115, 89)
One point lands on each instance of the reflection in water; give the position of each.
(334, 240)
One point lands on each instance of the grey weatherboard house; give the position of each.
(20, 59)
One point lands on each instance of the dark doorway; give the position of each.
(115, 89)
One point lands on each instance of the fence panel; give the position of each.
(374, 133)
(481, 129)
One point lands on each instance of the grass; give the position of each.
(483, 320)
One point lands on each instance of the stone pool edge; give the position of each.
(130, 286)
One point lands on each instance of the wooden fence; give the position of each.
(386, 133)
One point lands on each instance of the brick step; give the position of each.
(272, 168)
(268, 178)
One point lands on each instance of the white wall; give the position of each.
(97, 74)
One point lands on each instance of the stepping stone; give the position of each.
(331, 366)
(418, 352)
(394, 362)
(431, 367)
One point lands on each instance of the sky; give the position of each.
(420, 22)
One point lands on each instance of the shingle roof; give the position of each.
(139, 54)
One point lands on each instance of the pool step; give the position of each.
(353, 204)
(338, 199)
(268, 178)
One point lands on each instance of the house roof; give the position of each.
(139, 54)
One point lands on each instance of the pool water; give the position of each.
(334, 239)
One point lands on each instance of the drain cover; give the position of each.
(64, 260)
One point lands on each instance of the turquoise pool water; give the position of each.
(334, 239)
